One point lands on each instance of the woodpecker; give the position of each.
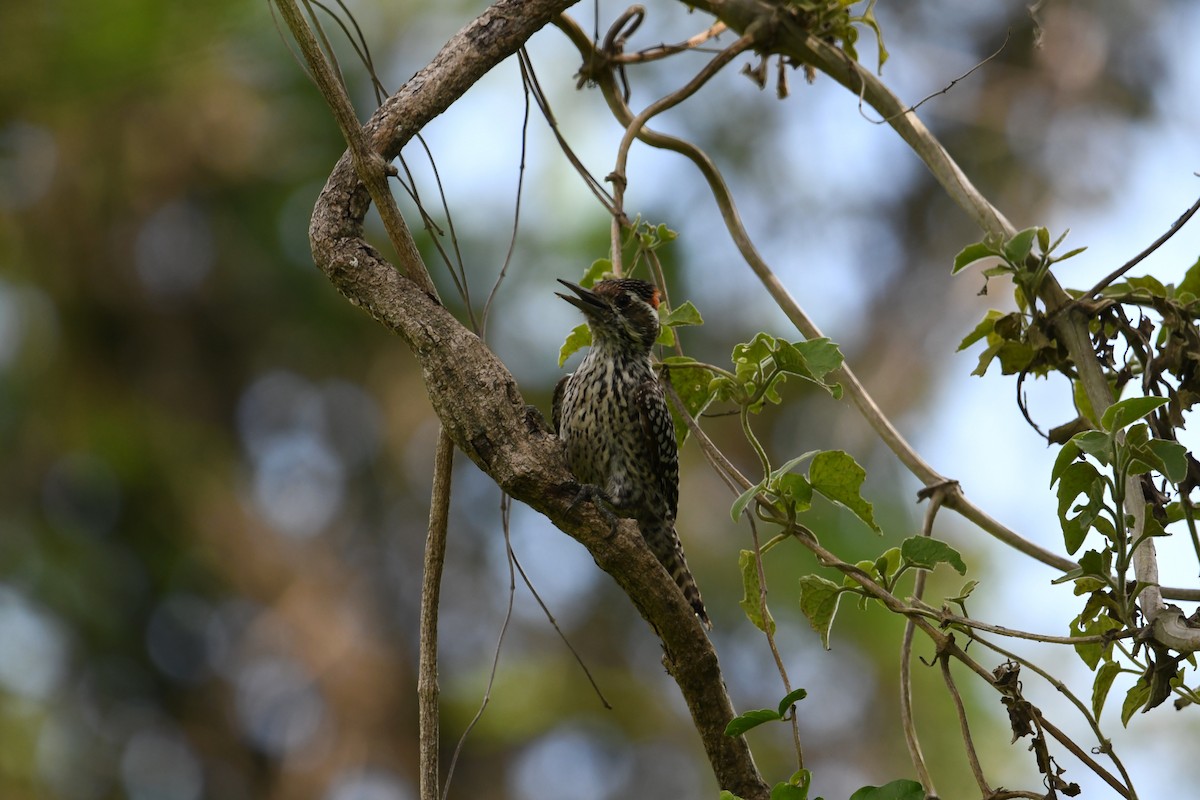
(612, 417)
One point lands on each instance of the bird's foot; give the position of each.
(591, 493)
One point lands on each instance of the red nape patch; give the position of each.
(654, 298)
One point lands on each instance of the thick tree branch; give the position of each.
(477, 399)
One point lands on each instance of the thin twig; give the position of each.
(907, 719)
(1105, 745)
(1133, 262)
(943, 90)
(770, 634)
(487, 692)
(965, 728)
(369, 165)
(554, 624)
(664, 50)
(635, 125)
(522, 58)
(431, 588)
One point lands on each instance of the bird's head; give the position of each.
(621, 312)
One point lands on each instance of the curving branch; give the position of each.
(477, 399)
(1070, 323)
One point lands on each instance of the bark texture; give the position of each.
(477, 399)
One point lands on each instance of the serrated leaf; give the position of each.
(790, 699)
(579, 338)
(751, 719)
(970, 254)
(981, 330)
(839, 478)
(600, 268)
(818, 602)
(666, 336)
(926, 552)
(902, 789)
(1128, 411)
(1017, 249)
(751, 601)
(1103, 682)
(686, 314)
(1097, 444)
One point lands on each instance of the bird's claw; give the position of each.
(589, 492)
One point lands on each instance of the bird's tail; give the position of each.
(664, 543)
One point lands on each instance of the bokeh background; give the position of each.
(214, 472)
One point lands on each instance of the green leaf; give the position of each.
(790, 699)
(1092, 652)
(1104, 681)
(1097, 444)
(1128, 411)
(727, 795)
(981, 330)
(751, 601)
(791, 463)
(751, 719)
(1191, 281)
(1148, 285)
(1079, 478)
(1069, 254)
(1173, 457)
(926, 552)
(666, 336)
(811, 360)
(796, 490)
(686, 314)
(1069, 452)
(788, 791)
(694, 385)
(819, 601)
(1135, 698)
(1043, 240)
(743, 500)
(1016, 249)
(600, 268)
(970, 254)
(886, 564)
(579, 338)
(839, 478)
(964, 592)
(903, 789)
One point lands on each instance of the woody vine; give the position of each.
(1128, 346)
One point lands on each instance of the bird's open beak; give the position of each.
(587, 301)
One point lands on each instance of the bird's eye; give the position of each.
(623, 301)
